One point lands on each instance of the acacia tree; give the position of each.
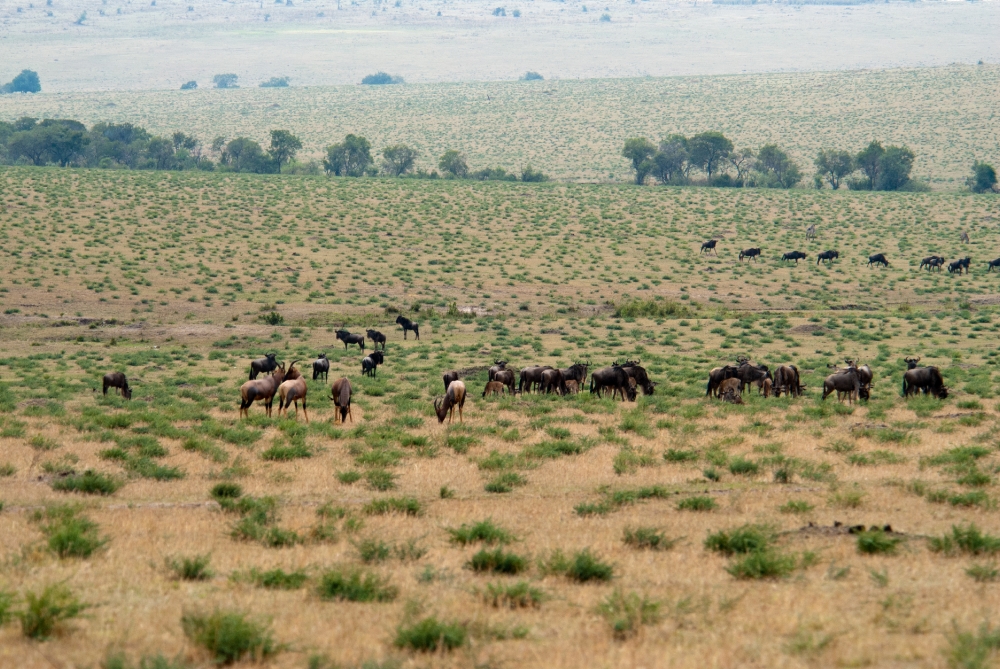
(284, 146)
(350, 158)
(454, 163)
(639, 151)
(833, 166)
(983, 179)
(778, 169)
(868, 161)
(708, 149)
(894, 168)
(669, 163)
(743, 161)
(399, 159)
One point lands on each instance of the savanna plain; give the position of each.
(538, 530)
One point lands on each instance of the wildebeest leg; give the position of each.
(304, 412)
(460, 419)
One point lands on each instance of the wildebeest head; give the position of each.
(126, 391)
(911, 363)
(377, 357)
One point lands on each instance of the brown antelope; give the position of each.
(572, 386)
(261, 389)
(766, 387)
(118, 381)
(445, 406)
(494, 388)
(341, 396)
(728, 385)
(292, 391)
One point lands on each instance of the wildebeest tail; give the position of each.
(904, 386)
(708, 390)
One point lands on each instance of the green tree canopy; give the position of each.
(868, 161)
(639, 151)
(245, 155)
(225, 81)
(284, 146)
(26, 82)
(350, 158)
(670, 162)
(454, 163)
(398, 159)
(778, 169)
(983, 179)
(894, 168)
(833, 166)
(708, 149)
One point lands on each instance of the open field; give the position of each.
(574, 130)
(172, 278)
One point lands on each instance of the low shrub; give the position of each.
(746, 539)
(520, 595)
(762, 565)
(190, 568)
(983, 573)
(430, 635)
(89, 483)
(696, 503)
(355, 585)
(647, 538)
(226, 490)
(230, 636)
(405, 505)
(373, 550)
(876, 542)
(969, 539)
(498, 561)
(274, 579)
(484, 531)
(70, 535)
(626, 613)
(796, 506)
(43, 613)
(505, 482)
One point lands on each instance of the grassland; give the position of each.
(574, 130)
(373, 525)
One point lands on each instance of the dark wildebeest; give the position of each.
(846, 381)
(786, 380)
(552, 380)
(530, 377)
(118, 381)
(827, 255)
(865, 377)
(506, 377)
(963, 264)
(923, 379)
(878, 259)
(717, 376)
(321, 367)
(750, 253)
(931, 262)
(710, 246)
(341, 396)
(749, 373)
(638, 374)
(955, 266)
(794, 255)
(263, 365)
(376, 337)
(445, 406)
(991, 265)
(261, 389)
(407, 326)
(448, 377)
(615, 378)
(370, 363)
(291, 391)
(498, 366)
(576, 372)
(348, 338)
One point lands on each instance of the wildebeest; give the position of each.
(408, 325)
(263, 365)
(794, 255)
(638, 373)
(261, 389)
(445, 406)
(878, 259)
(811, 231)
(321, 367)
(730, 386)
(118, 381)
(448, 377)
(927, 380)
(964, 237)
(829, 256)
(505, 377)
(576, 372)
(749, 373)
(341, 396)
(292, 390)
(786, 380)
(552, 381)
(752, 252)
(717, 376)
(991, 265)
(494, 388)
(615, 378)
(846, 381)
(709, 246)
(932, 262)
(530, 377)
(865, 376)
(376, 337)
(959, 265)
(370, 363)
(498, 366)
(348, 338)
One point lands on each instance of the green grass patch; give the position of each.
(230, 636)
(355, 585)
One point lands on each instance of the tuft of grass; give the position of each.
(88, 483)
(627, 613)
(355, 585)
(983, 573)
(498, 561)
(740, 466)
(70, 535)
(430, 635)
(505, 482)
(283, 453)
(742, 540)
(796, 506)
(584, 566)
(190, 568)
(407, 506)
(847, 499)
(762, 565)
(230, 636)
(484, 531)
(350, 476)
(973, 650)
(672, 455)
(45, 612)
(649, 538)
(629, 459)
(7, 469)
(876, 542)
(696, 503)
(226, 490)
(520, 595)
(274, 579)
(969, 539)
(373, 550)
(380, 479)
(7, 601)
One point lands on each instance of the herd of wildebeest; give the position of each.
(621, 379)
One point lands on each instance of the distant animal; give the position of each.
(408, 325)
(749, 373)
(370, 363)
(750, 253)
(576, 372)
(261, 389)
(955, 266)
(291, 391)
(376, 337)
(927, 380)
(878, 259)
(717, 376)
(494, 388)
(448, 377)
(321, 367)
(341, 396)
(531, 377)
(498, 366)
(445, 406)
(932, 262)
(811, 232)
(614, 378)
(827, 255)
(117, 381)
(638, 373)
(572, 386)
(553, 381)
(993, 264)
(786, 380)
(348, 338)
(265, 364)
(730, 385)
(709, 246)
(505, 377)
(964, 237)
(765, 390)
(732, 396)
(794, 255)
(846, 381)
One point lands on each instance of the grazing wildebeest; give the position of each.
(341, 396)
(710, 246)
(494, 388)
(572, 386)
(321, 367)
(506, 377)
(846, 381)
(445, 406)
(370, 363)
(552, 381)
(118, 381)
(878, 259)
(811, 232)
(498, 366)
(991, 265)
(576, 372)
(448, 377)
(927, 380)
(292, 390)
(615, 378)
(794, 255)
(717, 376)
(261, 389)
(263, 365)
(638, 373)
(827, 255)
(964, 237)
(348, 338)
(786, 380)
(932, 262)
(955, 266)
(530, 377)
(750, 253)
(749, 373)
(376, 337)
(407, 326)
(865, 377)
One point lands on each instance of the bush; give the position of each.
(72, 536)
(226, 491)
(354, 585)
(584, 566)
(44, 612)
(405, 505)
(7, 600)
(648, 538)
(967, 539)
(484, 531)
(190, 569)
(762, 564)
(189, 85)
(498, 561)
(381, 79)
(285, 453)
(373, 550)
(532, 76)
(229, 636)
(983, 573)
(89, 483)
(505, 482)
(225, 80)
(627, 613)
(275, 82)
(877, 541)
(25, 82)
(517, 596)
(430, 635)
(274, 579)
(381, 479)
(697, 503)
(651, 308)
(973, 650)
(746, 539)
